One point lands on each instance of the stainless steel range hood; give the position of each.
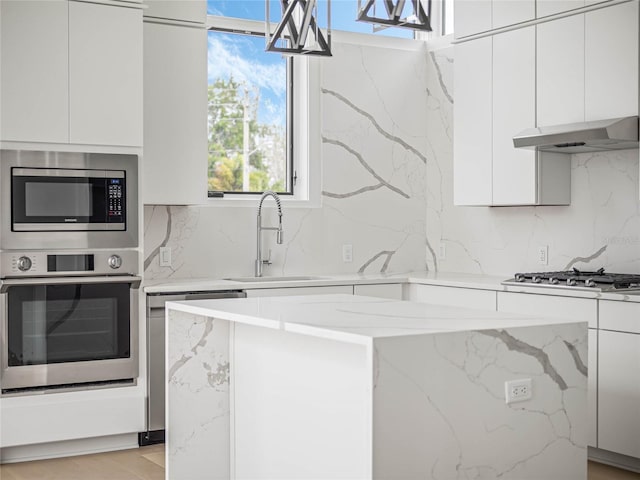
(597, 136)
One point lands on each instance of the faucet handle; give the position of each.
(267, 261)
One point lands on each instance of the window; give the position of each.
(249, 100)
(447, 17)
(343, 15)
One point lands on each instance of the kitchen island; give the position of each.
(350, 387)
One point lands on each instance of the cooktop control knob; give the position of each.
(572, 282)
(24, 264)
(553, 281)
(590, 282)
(536, 279)
(115, 261)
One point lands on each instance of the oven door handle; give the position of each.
(134, 280)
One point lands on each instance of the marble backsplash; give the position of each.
(601, 227)
(387, 163)
(374, 108)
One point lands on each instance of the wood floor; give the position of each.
(147, 463)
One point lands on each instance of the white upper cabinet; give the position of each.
(175, 109)
(34, 83)
(510, 12)
(471, 17)
(550, 7)
(611, 62)
(560, 71)
(472, 123)
(477, 16)
(194, 11)
(514, 102)
(71, 73)
(105, 75)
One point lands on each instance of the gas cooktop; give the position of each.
(576, 279)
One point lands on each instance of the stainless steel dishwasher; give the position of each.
(156, 356)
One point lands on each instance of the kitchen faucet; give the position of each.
(259, 261)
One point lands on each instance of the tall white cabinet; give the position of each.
(175, 107)
(71, 72)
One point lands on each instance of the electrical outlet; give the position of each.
(543, 254)
(165, 256)
(347, 253)
(518, 390)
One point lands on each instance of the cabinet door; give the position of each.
(282, 292)
(592, 389)
(105, 74)
(34, 83)
(611, 62)
(560, 71)
(472, 123)
(175, 113)
(551, 7)
(514, 173)
(471, 16)
(619, 392)
(453, 296)
(184, 10)
(510, 12)
(391, 290)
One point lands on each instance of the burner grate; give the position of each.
(598, 279)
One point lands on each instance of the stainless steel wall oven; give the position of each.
(68, 331)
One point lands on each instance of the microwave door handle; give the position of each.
(134, 280)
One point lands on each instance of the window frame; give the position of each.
(303, 125)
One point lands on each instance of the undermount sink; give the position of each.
(273, 279)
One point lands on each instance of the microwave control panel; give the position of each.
(116, 199)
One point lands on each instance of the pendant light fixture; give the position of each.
(417, 19)
(299, 30)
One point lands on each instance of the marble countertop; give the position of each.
(354, 318)
(446, 279)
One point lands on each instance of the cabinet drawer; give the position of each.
(620, 316)
(453, 296)
(281, 292)
(578, 309)
(387, 290)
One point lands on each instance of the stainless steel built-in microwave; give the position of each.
(61, 200)
(55, 199)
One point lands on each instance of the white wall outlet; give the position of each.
(543, 254)
(165, 256)
(347, 253)
(518, 390)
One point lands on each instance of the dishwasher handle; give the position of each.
(158, 300)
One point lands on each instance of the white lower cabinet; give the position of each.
(281, 292)
(453, 296)
(578, 309)
(619, 378)
(387, 290)
(619, 392)
(592, 392)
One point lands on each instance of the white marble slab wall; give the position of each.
(453, 422)
(601, 227)
(373, 105)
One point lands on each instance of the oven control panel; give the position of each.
(30, 264)
(115, 194)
